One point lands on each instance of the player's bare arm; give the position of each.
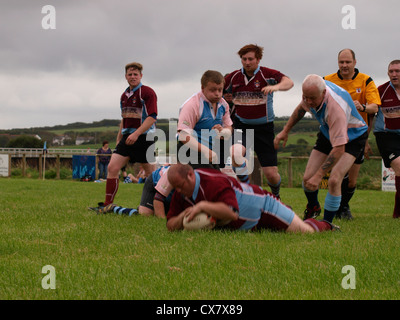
(143, 128)
(296, 116)
(285, 84)
(218, 210)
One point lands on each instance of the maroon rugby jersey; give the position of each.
(136, 105)
(390, 106)
(214, 186)
(252, 106)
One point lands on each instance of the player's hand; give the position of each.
(312, 184)
(358, 105)
(191, 212)
(217, 127)
(269, 89)
(131, 139)
(281, 136)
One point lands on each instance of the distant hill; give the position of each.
(72, 126)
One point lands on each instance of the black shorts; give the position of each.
(199, 161)
(138, 151)
(355, 147)
(389, 146)
(263, 141)
(148, 193)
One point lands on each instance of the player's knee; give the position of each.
(334, 181)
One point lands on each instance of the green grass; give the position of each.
(113, 257)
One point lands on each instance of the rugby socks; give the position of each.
(347, 196)
(275, 188)
(318, 225)
(332, 204)
(347, 193)
(312, 197)
(125, 211)
(242, 173)
(111, 190)
(396, 211)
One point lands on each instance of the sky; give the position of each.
(66, 64)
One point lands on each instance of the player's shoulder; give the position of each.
(383, 87)
(331, 76)
(146, 90)
(230, 76)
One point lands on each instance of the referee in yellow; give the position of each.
(366, 98)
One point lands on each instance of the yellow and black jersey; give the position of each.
(361, 87)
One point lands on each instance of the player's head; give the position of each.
(250, 56)
(394, 72)
(314, 89)
(212, 85)
(257, 50)
(134, 66)
(347, 63)
(182, 178)
(133, 74)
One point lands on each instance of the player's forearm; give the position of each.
(218, 210)
(371, 108)
(285, 84)
(159, 208)
(119, 135)
(331, 160)
(296, 116)
(147, 123)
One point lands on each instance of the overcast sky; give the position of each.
(75, 72)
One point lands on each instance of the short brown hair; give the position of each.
(252, 48)
(394, 62)
(212, 76)
(134, 65)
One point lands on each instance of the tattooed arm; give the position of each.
(296, 116)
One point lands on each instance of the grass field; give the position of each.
(113, 257)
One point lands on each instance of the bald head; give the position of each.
(182, 178)
(314, 80)
(314, 89)
(347, 63)
(178, 170)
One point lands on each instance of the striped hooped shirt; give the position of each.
(339, 119)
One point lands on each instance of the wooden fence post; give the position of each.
(58, 163)
(24, 165)
(40, 166)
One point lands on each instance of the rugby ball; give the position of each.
(200, 221)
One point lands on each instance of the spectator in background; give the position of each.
(104, 154)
